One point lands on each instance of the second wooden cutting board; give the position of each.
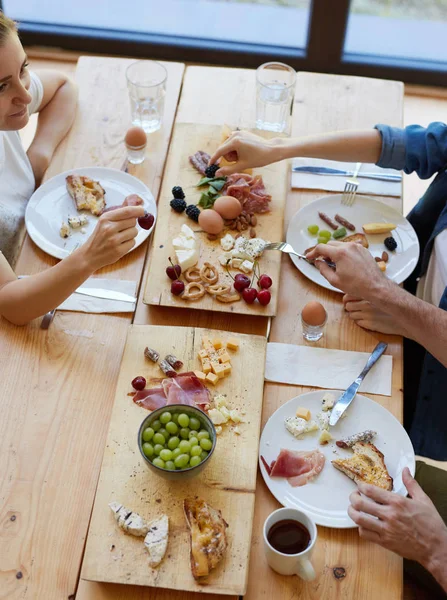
(186, 140)
(228, 483)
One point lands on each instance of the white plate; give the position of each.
(51, 204)
(326, 498)
(364, 210)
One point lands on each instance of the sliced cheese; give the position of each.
(156, 540)
(129, 521)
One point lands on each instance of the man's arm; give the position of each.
(56, 115)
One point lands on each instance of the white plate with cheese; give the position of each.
(51, 205)
(326, 498)
(402, 261)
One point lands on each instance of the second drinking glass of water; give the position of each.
(146, 81)
(275, 90)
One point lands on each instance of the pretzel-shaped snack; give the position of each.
(227, 298)
(193, 291)
(193, 275)
(209, 273)
(218, 289)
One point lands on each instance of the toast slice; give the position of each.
(367, 465)
(87, 193)
(358, 238)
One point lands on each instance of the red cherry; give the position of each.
(177, 287)
(264, 297)
(139, 383)
(265, 281)
(249, 295)
(241, 282)
(174, 271)
(147, 221)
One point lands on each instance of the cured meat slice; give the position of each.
(151, 399)
(250, 191)
(200, 161)
(133, 200)
(297, 467)
(187, 389)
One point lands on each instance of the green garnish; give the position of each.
(339, 233)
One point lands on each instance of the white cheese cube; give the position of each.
(236, 263)
(183, 243)
(225, 259)
(64, 230)
(187, 258)
(217, 418)
(187, 232)
(247, 266)
(297, 426)
(327, 402)
(323, 420)
(234, 416)
(227, 242)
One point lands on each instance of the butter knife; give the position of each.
(329, 171)
(348, 396)
(106, 294)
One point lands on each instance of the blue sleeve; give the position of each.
(415, 148)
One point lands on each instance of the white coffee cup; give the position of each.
(291, 564)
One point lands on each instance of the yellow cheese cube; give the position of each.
(324, 438)
(200, 375)
(227, 368)
(219, 370)
(206, 343)
(225, 357)
(303, 413)
(203, 354)
(217, 343)
(212, 378)
(206, 367)
(233, 344)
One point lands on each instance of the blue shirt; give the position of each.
(424, 150)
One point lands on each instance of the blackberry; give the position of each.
(177, 192)
(211, 170)
(390, 243)
(178, 205)
(193, 212)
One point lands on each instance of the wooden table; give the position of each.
(56, 400)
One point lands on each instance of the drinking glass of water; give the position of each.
(146, 82)
(275, 90)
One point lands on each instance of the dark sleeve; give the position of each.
(415, 148)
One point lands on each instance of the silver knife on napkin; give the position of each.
(348, 396)
(330, 171)
(106, 294)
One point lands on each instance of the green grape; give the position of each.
(181, 461)
(156, 425)
(313, 229)
(170, 465)
(322, 240)
(206, 444)
(325, 233)
(194, 461)
(203, 455)
(173, 443)
(185, 447)
(175, 418)
(194, 423)
(148, 450)
(166, 454)
(159, 438)
(196, 451)
(176, 452)
(203, 435)
(164, 433)
(157, 449)
(184, 433)
(193, 433)
(165, 417)
(171, 427)
(193, 441)
(183, 420)
(158, 462)
(148, 434)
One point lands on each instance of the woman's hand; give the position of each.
(247, 150)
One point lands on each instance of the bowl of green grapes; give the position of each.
(177, 441)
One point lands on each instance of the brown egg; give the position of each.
(135, 137)
(228, 207)
(211, 221)
(314, 313)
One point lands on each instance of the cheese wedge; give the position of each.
(373, 228)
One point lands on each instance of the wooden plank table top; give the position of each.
(58, 385)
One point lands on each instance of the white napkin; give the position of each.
(89, 304)
(336, 183)
(328, 369)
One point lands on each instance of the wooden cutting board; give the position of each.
(186, 140)
(228, 483)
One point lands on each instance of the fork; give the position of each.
(351, 187)
(288, 249)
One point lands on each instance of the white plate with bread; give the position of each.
(325, 498)
(366, 210)
(51, 206)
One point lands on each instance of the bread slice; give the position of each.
(367, 465)
(87, 193)
(358, 238)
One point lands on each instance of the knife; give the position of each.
(347, 397)
(330, 171)
(106, 294)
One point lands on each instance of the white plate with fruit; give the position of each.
(396, 247)
(51, 207)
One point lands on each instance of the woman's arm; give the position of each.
(56, 115)
(22, 300)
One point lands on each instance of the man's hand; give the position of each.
(411, 527)
(356, 271)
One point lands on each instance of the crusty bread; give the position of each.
(358, 238)
(87, 194)
(367, 465)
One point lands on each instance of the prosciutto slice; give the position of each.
(186, 389)
(151, 399)
(131, 200)
(250, 191)
(297, 467)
